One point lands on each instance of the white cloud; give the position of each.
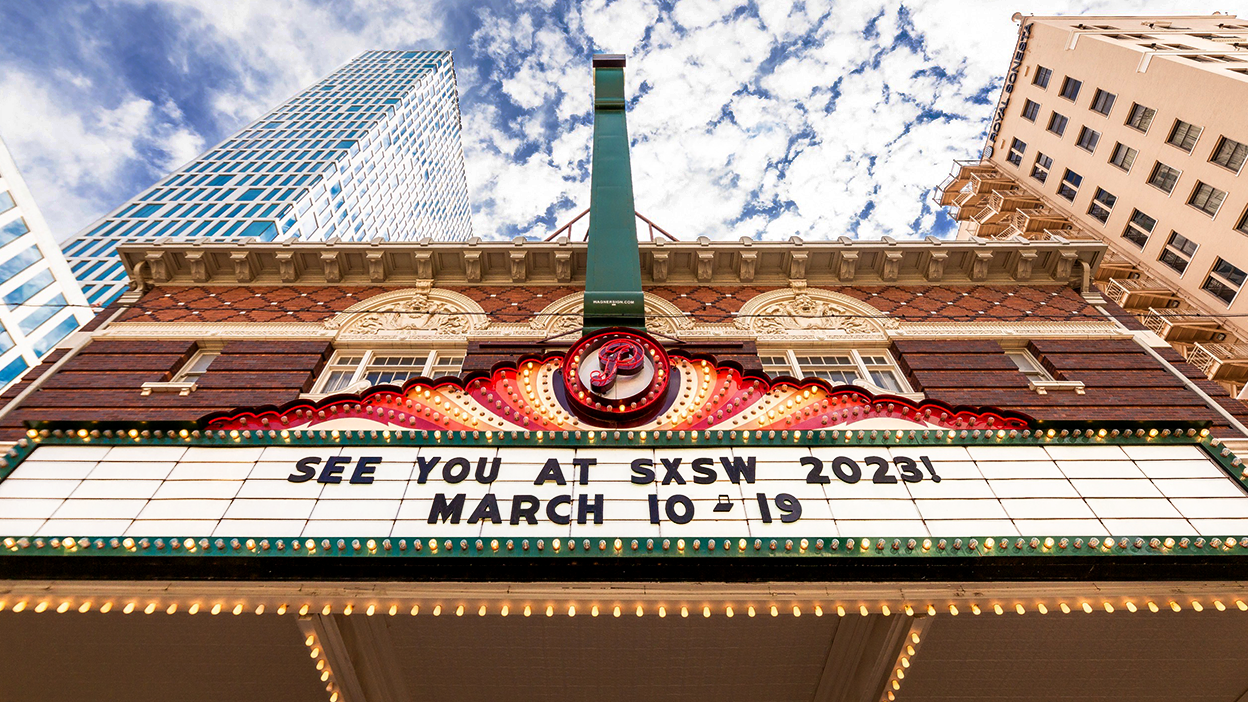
(66, 156)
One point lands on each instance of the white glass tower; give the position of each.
(373, 150)
(42, 303)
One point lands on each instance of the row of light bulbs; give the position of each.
(617, 610)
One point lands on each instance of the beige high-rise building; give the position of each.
(1130, 130)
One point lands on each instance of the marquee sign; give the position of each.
(933, 487)
(618, 378)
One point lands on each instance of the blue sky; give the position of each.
(762, 118)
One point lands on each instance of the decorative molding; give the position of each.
(812, 312)
(411, 312)
(674, 262)
(564, 315)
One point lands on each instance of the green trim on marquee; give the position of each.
(813, 545)
(613, 296)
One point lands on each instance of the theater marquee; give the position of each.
(928, 491)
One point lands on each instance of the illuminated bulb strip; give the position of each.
(905, 658)
(954, 607)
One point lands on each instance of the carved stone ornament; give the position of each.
(417, 311)
(564, 315)
(820, 313)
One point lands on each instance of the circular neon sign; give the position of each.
(618, 376)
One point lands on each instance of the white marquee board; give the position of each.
(1054, 490)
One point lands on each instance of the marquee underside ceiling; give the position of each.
(1159, 657)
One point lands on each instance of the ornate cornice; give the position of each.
(702, 262)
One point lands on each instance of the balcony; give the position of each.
(1115, 266)
(1037, 220)
(1222, 362)
(1183, 325)
(1004, 204)
(1137, 294)
(959, 179)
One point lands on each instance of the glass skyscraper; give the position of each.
(42, 303)
(373, 150)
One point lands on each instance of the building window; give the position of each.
(1030, 110)
(1016, 152)
(195, 368)
(1139, 228)
(1183, 135)
(1028, 365)
(1230, 154)
(1040, 170)
(1206, 198)
(1057, 124)
(1164, 177)
(1224, 281)
(1103, 102)
(1141, 117)
(1088, 139)
(351, 366)
(1070, 88)
(869, 367)
(1042, 77)
(1178, 252)
(1123, 156)
(1102, 204)
(1070, 185)
(1242, 227)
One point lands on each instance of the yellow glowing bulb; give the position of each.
(997, 608)
(238, 609)
(324, 610)
(62, 608)
(1152, 606)
(953, 609)
(528, 610)
(151, 607)
(459, 611)
(750, 610)
(774, 611)
(639, 611)
(437, 610)
(1065, 608)
(310, 640)
(84, 607)
(1086, 607)
(130, 608)
(550, 610)
(1175, 606)
(1042, 608)
(662, 611)
(862, 610)
(1131, 606)
(370, 611)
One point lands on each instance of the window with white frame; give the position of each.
(1017, 148)
(1103, 102)
(1139, 228)
(1141, 117)
(1102, 204)
(1123, 156)
(1206, 198)
(1069, 187)
(195, 368)
(1028, 365)
(1178, 252)
(1230, 154)
(1184, 135)
(386, 367)
(1224, 281)
(1164, 177)
(869, 367)
(1088, 139)
(1040, 169)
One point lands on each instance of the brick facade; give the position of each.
(103, 382)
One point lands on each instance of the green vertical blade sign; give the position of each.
(613, 296)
